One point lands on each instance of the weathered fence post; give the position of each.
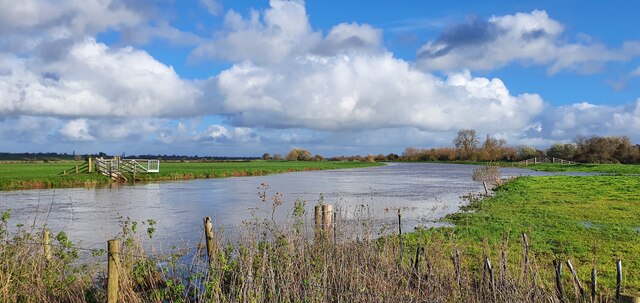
(46, 241)
(618, 279)
(558, 269)
(416, 262)
(492, 283)
(576, 280)
(400, 233)
(327, 221)
(90, 164)
(486, 190)
(594, 285)
(208, 231)
(112, 270)
(456, 266)
(334, 228)
(317, 215)
(525, 243)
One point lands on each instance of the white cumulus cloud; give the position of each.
(368, 91)
(522, 37)
(94, 80)
(77, 130)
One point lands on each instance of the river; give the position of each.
(425, 192)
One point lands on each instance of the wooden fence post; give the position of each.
(317, 215)
(112, 270)
(416, 261)
(558, 269)
(492, 283)
(486, 190)
(90, 164)
(46, 240)
(327, 221)
(456, 266)
(333, 229)
(208, 231)
(400, 233)
(594, 285)
(525, 243)
(618, 279)
(76, 169)
(575, 279)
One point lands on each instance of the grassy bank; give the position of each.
(621, 169)
(591, 220)
(48, 175)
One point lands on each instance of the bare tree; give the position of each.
(466, 144)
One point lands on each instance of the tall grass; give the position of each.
(269, 262)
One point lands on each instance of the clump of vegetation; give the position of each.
(491, 174)
(299, 154)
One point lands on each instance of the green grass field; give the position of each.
(622, 169)
(47, 175)
(591, 220)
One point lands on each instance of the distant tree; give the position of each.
(596, 149)
(380, 157)
(492, 149)
(266, 156)
(393, 157)
(299, 154)
(466, 143)
(525, 152)
(445, 154)
(562, 151)
(370, 158)
(318, 158)
(278, 157)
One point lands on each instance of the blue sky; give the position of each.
(215, 77)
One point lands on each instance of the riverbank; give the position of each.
(590, 220)
(15, 176)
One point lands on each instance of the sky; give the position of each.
(241, 78)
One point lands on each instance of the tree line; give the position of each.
(468, 147)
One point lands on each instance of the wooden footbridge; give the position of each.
(118, 169)
(537, 160)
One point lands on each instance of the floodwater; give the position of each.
(425, 192)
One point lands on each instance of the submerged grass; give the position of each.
(48, 175)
